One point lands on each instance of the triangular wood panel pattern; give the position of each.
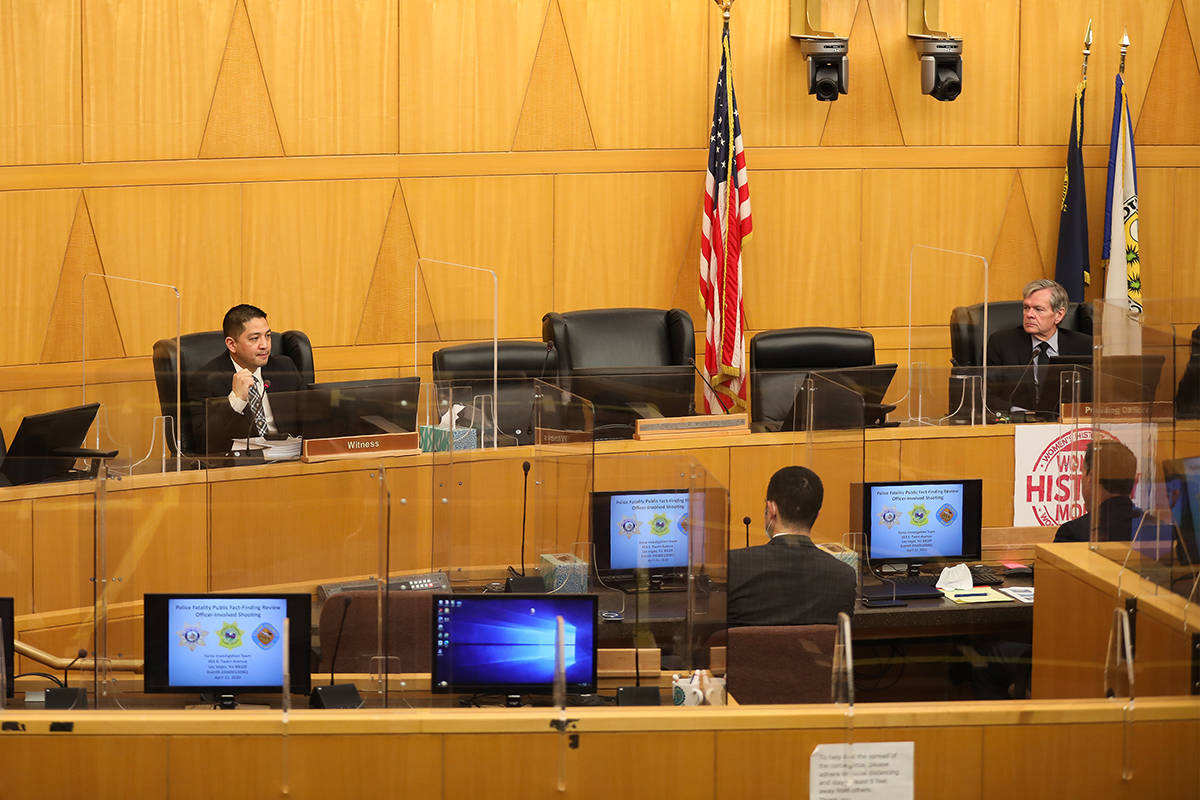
(388, 311)
(241, 122)
(867, 115)
(1169, 113)
(1015, 259)
(554, 116)
(687, 279)
(63, 334)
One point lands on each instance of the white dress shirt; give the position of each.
(239, 405)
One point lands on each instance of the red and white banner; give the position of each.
(1048, 467)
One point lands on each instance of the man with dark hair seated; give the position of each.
(789, 580)
(1115, 472)
(243, 375)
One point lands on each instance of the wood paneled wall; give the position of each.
(304, 155)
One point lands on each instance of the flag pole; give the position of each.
(1124, 46)
(1087, 48)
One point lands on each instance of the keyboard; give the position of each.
(422, 582)
(981, 575)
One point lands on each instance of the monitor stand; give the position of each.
(223, 702)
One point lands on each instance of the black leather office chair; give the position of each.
(518, 364)
(780, 359)
(966, 327)
(1187, 396)
(623, 359)
(197, 349)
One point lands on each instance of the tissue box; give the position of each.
(564, 573)
(843, 554)
(437, 440)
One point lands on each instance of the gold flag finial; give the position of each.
(1087, 48)
(725, 6)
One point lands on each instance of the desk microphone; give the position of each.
(343, 695)
(64, 697)
(707, 382)
(746, 522)
(519, 582)
(1021, 379)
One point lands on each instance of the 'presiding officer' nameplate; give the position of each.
(383, 444)
(703, 425)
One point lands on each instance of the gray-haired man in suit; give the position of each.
(788, 580)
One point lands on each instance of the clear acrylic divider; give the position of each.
(659, 533)
(212, 562)
(939, 279)
(131, 419)
(62, 604)
(456, 304)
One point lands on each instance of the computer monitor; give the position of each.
(921, 522)
(7, 620)
(358, 408)
(226, 644)
(31, 457)
(871, 382)
(1182, 479)
(620, 396)
(1124, 379)
(505, 643)
(652, 530)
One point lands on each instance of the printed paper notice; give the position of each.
(863, 770)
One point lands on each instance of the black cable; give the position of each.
(45, 675)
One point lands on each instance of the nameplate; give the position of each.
(1159, 410)
(559, 436)
(372, 446)
(705, 425)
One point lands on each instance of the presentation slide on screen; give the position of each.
(916, 522)
(649, 531)
(226, 642)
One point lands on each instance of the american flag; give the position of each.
(725, 225)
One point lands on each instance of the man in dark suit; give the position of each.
(243, 376)
(1026, 351)
(788, 580)
(1112, 468)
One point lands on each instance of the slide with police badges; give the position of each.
(914, 522)
(232, 642)
(649, 531)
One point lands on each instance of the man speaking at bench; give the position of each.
(1030, 347)
(245, 376)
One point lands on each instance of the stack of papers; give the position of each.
(977, 594)
(283, 450)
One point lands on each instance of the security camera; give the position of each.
(941, 67)
(828, 66)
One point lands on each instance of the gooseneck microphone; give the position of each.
(337, 643)
(746, 522)
(707, 382)
(81, 654)
(1021, 380)
(65, 697)
(524, 507)
(343, 695)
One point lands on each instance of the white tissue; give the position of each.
(955, 578)
(455, 410)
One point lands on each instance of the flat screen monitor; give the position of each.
(835, 412)
(226, 644)
(653, 529)
(505, 643)
(922, 522)
(620, 396)
(358, 408)
(7, 620)
(31, 459)
(1182, 479)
